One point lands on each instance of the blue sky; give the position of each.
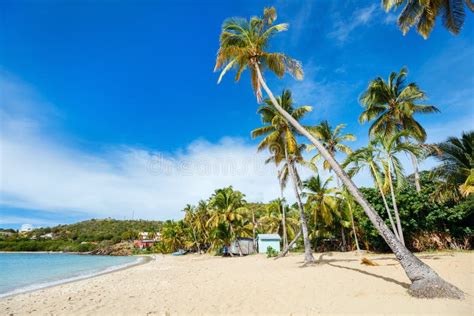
(112, 108)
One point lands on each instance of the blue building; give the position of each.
(268, 240)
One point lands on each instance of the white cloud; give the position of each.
(37, 173)
(360, 17)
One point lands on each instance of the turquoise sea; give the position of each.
(21, 272)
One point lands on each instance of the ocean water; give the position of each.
(21, 272)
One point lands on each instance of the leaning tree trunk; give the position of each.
(394, 203)
(379, 186)
(287, 248)
(308, 253)
(425, 281)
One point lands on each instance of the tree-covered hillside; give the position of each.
(79, 237)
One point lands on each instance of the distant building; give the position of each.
(144, 235)
(268, 240)
(143, 244)
(7, 234)
(26, 228)
(245, 246)
(47, 236)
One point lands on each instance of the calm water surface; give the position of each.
(20, 272)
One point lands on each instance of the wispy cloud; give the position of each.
(343, 28)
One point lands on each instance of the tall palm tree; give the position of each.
(424, 14)
(243, 43)
(455, 175)
(349, 203)
(333, 141)
(392, 105)
(389, 148)
(366, 157)
(280, 139)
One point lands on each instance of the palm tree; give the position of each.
(424, 14)
(391, 105)
(332, 140)
(243, 44)
(366, 157)
(390, 147)
(280, 138)
(349, 203)
(321, 200)
(190, 219)
(271, 219)
(455, 175)
(227, 206)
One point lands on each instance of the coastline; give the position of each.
(141, 259)
(204, 284)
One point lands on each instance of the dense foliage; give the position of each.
(427, 224)
(79, 237)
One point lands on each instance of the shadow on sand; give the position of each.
(332, 262)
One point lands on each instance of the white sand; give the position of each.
(195, 284)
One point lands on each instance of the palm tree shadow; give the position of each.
(402, 284)
(330, 262)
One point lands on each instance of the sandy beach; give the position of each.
(204, 284)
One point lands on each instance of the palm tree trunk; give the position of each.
(425, 281)
(414, 161)
(253, 230)
(283, 219)
(389, 212)
(343, 235)
(287, 248)
(308, 253)
(353, 225)
(394, 203)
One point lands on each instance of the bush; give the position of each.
(271, 252)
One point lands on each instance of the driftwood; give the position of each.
(368, 262)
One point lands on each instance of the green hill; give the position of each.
(79, 237)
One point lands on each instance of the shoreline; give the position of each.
(141, 260)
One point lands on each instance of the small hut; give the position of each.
(268, 240)
(246, 245)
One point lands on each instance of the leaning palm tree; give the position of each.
(424, 14)
(455, 175)
(243, 44)
(280, 139)
(392, 105)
